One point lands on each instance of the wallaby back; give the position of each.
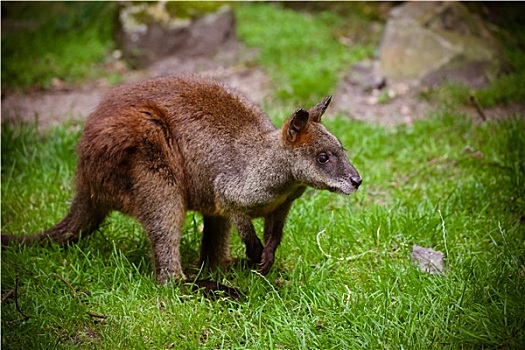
(158, 148)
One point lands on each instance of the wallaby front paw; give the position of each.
(266, 262)
(254, 251)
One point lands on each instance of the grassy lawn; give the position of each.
(69, 41)
(299, 51)
(343, 277)
(444, 183)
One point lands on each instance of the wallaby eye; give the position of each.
(323, 158)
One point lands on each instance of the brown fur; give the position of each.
(158, 148)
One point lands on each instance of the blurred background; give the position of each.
(387, 62)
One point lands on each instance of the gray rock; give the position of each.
(148, 32)
(428, 43)
(429, 260)
(364, 74)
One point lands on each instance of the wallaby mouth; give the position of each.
(341, 191)
(347, 187)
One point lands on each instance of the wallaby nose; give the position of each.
(356, 181)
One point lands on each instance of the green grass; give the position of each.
(412, 177)
(300, 51)
(66, 40)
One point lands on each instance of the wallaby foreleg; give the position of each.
(273, 232)
(254, 247)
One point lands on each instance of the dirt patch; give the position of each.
(364, 95)
(385, 107)
(49, 108)
(362, 98)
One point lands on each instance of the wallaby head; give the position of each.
(318, 157)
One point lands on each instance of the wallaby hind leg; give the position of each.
(215, 249)
(162, 215)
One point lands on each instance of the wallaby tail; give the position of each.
(83, 218)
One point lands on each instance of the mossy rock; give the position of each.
(430, 43)
(149, 31)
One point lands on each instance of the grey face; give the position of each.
(341, 175)
(332, 170)
(320, 161)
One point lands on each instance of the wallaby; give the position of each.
(157, 148)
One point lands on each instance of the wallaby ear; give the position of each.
(298, 123)
(318, 110)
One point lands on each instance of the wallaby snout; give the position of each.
(356, 181)
(349, 181)
(355, 178)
